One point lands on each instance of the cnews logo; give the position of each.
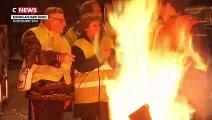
(26, 15)
(25, 10)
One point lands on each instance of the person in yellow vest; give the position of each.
(49, 50)
(93, 63)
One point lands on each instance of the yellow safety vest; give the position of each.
(71, 36)
(54, 42)
(87, 84)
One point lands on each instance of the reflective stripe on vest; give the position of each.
(94, 83)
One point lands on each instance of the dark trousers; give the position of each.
(48, 110)
(92, 111)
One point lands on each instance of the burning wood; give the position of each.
(141, 114)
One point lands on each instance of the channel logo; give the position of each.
(25, 10)
(26, 15)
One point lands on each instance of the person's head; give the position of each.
(90, 22)
(90, 6)
(56, 20)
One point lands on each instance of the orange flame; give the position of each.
(146, 77)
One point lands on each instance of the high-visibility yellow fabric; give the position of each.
(87, 84)
(71, 36)
(51, 41)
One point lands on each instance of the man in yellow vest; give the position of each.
(49, 50)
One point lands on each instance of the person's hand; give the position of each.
(66, 58)
(106, 51)
(112, 59)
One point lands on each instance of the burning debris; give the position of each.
(142, 112)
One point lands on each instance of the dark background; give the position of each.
(200, 2)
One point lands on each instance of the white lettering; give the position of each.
(27, 10)
(14, 10)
